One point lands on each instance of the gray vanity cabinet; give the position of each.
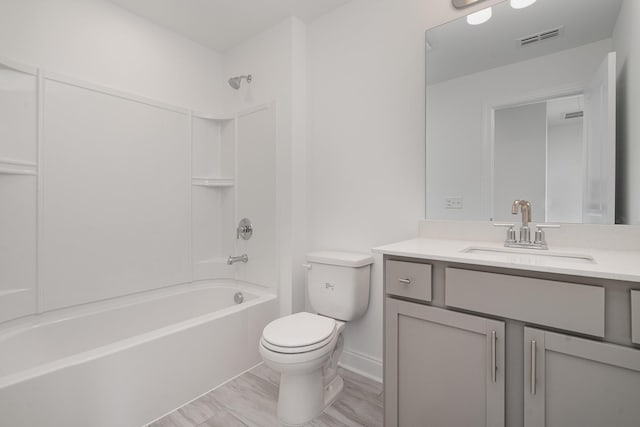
(576, 382)
(445, 359)
(442, 368)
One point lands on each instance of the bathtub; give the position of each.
(130, 360)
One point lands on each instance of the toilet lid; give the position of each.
(299, 330)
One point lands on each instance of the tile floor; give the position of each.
(250, 400)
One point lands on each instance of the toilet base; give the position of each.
(295, 410)
(332, 390)
(309, 382)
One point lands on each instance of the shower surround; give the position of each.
(116, 302)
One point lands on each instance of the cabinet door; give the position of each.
(442, 368)
(576, 382)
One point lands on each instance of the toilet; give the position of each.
(305, 347)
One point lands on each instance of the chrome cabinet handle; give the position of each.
(405, 281)
(533, 367)
(494, 366)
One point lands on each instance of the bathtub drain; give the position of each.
(238, 297)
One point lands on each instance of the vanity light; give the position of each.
(521, 4)
(479, 17)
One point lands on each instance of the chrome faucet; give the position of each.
(525, 234)
(233, 259)
(525, 207)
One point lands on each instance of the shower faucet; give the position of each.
(245, 229)
(233, 259)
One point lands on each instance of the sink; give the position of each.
(529, 256)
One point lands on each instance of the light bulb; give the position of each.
(479, 17)
(521, 4)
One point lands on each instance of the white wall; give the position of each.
(626, 39)
(276, 59)
(366, 139)
(520, 153)
(99, 42)
(465, 100)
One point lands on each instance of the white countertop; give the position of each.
(609, 264)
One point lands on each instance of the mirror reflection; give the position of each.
(524, 106)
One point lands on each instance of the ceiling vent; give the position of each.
(538, 37)
(574, 115)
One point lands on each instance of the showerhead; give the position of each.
(234, 82)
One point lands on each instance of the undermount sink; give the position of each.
(529, 256)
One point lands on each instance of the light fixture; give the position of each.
(479, 17)
(521, 4)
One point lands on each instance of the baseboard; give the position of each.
(362, 364)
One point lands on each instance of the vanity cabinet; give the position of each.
(576, 382)
(442, 366)
(476, 353)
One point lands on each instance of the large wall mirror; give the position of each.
(533, 104)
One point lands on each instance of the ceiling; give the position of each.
(222, 24)
(456, 49)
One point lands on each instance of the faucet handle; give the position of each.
(511, 232)
(539, 235)
(245, 229)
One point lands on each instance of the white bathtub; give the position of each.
(127, 361)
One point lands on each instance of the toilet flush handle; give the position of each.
(307, 266)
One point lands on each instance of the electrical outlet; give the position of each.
(453, 203)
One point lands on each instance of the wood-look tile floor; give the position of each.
(250, 400)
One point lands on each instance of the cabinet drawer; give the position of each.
(568, 306)
(635, 317)
(408, 279)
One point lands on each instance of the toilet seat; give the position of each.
(299, 333)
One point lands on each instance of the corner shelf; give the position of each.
(214, 117)
(17, 167)
(213, 140)
(204, 181)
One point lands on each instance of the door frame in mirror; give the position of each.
(488, 140)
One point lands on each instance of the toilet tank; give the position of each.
(338, 283)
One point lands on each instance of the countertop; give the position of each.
(609, 264)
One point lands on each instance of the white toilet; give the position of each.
(305, 347)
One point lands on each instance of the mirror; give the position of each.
(525, 105)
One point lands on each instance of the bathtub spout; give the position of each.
(233, 259)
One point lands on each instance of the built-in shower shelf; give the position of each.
(16, 167)
(214, 117)
(203, 181)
